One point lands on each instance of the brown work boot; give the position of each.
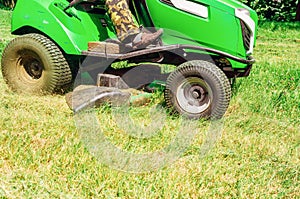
(144, 39)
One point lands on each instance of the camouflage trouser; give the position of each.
(122, 18)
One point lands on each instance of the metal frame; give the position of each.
(166, 48)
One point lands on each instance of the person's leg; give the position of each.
(127, 30)
(122, 19)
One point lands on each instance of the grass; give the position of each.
(258, 155)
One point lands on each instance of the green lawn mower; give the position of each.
(209, 42)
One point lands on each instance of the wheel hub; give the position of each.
(193, 95)
(34, 69)
(198, 93)
(31, 64)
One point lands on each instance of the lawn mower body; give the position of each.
(225, 25)
(209, 41)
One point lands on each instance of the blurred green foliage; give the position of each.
(6, 4)
(274, 10)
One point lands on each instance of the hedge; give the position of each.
(275, 10)
(8, 3)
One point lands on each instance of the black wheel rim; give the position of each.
(194, 95)
(31, 66)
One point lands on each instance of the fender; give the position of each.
(71, 30)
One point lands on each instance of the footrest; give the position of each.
(104, 47)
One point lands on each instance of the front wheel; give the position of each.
(198, 89)
(34, 64)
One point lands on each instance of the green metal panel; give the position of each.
(71, 30)
(220, 30)
(228, 6)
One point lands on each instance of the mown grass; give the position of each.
(258, 155)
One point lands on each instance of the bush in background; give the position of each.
(8, 3)
(275, 10)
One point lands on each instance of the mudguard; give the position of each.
(71, 29)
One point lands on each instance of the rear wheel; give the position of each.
(198, 89)
(34, 64)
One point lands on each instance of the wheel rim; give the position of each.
(194, 95)
(30, 65)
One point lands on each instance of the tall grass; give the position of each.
(258, 155)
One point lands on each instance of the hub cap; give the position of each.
(194, 95)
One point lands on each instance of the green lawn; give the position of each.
(5, 35)
(258, 155)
